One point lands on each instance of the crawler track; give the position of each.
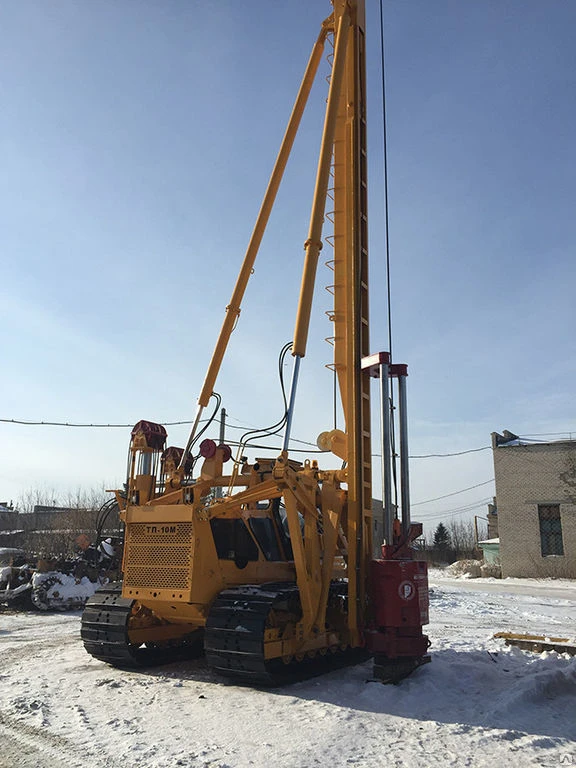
(105, 633)
(105, 629)
(235, 630)
(233, 637)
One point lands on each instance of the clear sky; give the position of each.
(136, 140)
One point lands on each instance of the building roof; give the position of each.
(509, 440)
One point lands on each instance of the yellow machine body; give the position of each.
(179, 556)
(271, 562)
(175, 559)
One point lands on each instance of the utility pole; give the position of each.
(476, 518)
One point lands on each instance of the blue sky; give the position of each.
(136, 141)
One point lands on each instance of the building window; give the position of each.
(550, 529)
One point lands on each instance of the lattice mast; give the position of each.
(343, 156)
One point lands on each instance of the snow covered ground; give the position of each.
(477, 704)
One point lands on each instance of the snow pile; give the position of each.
(479, 703)
(491, 571)
(469, 569)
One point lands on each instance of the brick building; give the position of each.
(536, 501)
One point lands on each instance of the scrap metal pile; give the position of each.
(57, 583)
(52, 583)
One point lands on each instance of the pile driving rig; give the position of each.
(268, 569)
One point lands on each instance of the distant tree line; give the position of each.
(47, 523)
(451, 542)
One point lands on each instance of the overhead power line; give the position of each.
(27, 422)
(70, 424)
(455, 493)
(30, 423)
(547, 434)
(121, 426)
(442, 455)
(457, 453)
(455, 510)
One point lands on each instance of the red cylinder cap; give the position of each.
(227, 452)
(207, 448)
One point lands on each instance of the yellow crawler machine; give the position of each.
(268, 568)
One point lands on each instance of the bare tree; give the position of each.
(85, 498)
(463, 539)
(55, 532)
(34, 497)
